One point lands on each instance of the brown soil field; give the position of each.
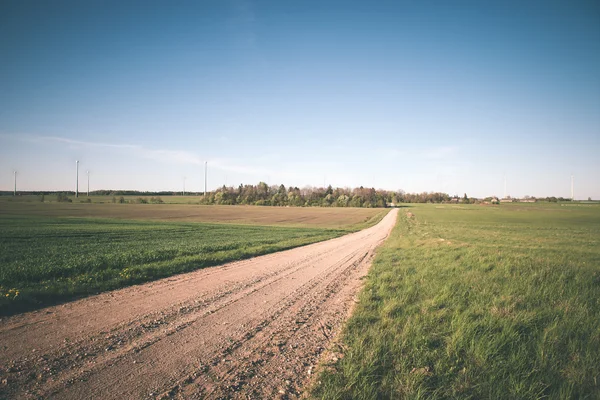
(318, 217)
(248, 329)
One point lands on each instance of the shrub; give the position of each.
(63, 198)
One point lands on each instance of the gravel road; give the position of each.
(248, 329)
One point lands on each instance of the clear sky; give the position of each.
(416, 95)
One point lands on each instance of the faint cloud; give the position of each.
(390, 152)
(437, 153)
(231, 165)
(247, 167)
(266, 167)
(162, 155)
(434, 153)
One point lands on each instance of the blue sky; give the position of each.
(416, 95)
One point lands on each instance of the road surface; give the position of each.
(248, 329)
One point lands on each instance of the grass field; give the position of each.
(476, 302)
(49, 253)
(97, 199)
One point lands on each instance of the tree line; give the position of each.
(278, 195)
(265, 195)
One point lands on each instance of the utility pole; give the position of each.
(205, 175)
(77, 178)
(15, 192)
(184, 185)
(572, 189)
(88, 179)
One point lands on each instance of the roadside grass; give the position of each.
(48, 260)
(477, 302)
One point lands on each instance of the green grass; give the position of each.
(83, 198)
(45, 260)
(477, 302)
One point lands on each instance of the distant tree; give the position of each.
(278, 195)
(356, 201)
(262, 191)
(63, 198)
(465, 199)
(343, 201)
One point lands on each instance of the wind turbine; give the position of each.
(15, 191)
(76, 178)
(205, 176)
(88, 179)
(184, 178)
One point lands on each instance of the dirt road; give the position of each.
(249, 329)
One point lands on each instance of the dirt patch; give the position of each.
(318, 217)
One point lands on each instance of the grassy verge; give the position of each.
(480, 303)
(46, 260)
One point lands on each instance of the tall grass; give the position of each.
(477, 303)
